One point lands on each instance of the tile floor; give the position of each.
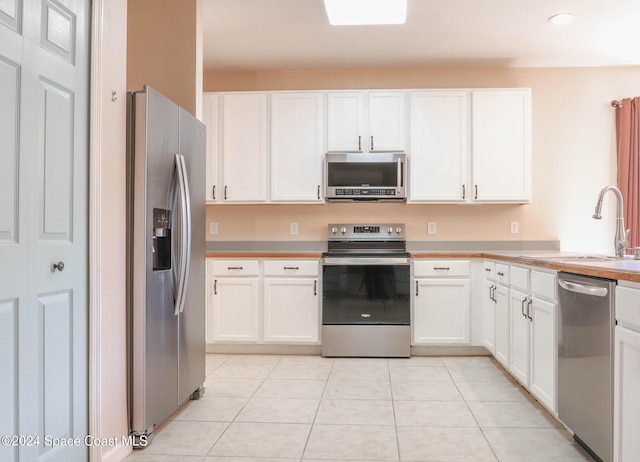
(260, 408)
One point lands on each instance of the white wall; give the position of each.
(573, 158)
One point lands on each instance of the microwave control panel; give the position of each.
(365, 192)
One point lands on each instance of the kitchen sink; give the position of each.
(584, 258)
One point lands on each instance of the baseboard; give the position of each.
(116, 454)
(421, 350)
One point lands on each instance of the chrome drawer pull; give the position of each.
(444, 268)
(234, 267)
(291, 267)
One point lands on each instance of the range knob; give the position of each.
(389, 229)
(398, 230)
(334, 230)
(343, 230)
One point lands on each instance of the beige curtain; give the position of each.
(628, 142)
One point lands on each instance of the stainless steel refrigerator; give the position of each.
(166, 259)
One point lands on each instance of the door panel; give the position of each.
(9, 376)
(9, 151)
(11, 14)
(55, 163)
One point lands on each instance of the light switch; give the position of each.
(514, 227)
(213, 228)
(293, 229)
(431, 227)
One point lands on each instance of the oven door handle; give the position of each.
(382, 261)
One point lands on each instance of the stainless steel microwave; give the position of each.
(378, 176)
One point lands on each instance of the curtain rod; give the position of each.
(616, 103)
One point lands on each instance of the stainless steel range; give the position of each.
(366, 300)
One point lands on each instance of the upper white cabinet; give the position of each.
(366, 121)
(297, 133)
(438, 148)
(244, 147)
(211, 118)
(501, 145)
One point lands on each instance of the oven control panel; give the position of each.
(361, 232)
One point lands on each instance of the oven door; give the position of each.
(366, 291)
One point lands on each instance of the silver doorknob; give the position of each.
(58, 266)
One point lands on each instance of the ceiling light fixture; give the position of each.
(366, 12)
(562, 18)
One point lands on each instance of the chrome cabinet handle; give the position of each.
(444, 268)
(488, 269)
(522, 307)
(318, 192)
(58, 266)
(529, 310)
(315, 287)
(235, 267)
(291, 267)
(215, 287)
(500, 274)
(416, 288)
(226, 189)
(464, 192)
(492, 293)
(476, 196)
(213, 193)
(372, 142)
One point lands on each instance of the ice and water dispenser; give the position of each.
(161, 239)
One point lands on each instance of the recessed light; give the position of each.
(562, 18)
(366, 12)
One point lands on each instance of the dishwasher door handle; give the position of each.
(583, 288)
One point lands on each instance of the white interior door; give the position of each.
(43, 221)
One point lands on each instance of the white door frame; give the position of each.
(106, 260)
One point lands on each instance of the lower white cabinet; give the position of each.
(291, 301)
(520, 338)
(232, 301)
(263, 301)
(543, 351)
(489, 315)
(441, 302)
(503, 328)
(626, 390)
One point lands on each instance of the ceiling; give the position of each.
(258, 35)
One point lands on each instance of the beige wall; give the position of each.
(164, 49)
(573, 158)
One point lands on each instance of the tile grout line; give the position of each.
(471, 412)
(243, 406)
(313, 422)
(393, 407)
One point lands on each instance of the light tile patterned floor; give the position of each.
(265, 408)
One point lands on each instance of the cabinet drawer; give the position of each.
(519, 278)
(232, 267)
(489, 270)
(291, 268)
(441, 268)
(628, 307)
(502, 273)
(543, 285)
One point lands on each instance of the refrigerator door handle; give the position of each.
(180, 203)
(186, 226)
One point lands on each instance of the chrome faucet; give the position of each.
(621, 243)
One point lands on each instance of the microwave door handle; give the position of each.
(401, 173)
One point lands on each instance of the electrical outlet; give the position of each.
(431, 227)
(293, 229)
(514, 227)
(213, 228)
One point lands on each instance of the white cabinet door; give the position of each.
(210, 117)
(386, 121)
(501, 145)
(244, 147)
(441, 311)
(291, 310)
(543, 352)
(489, 316)
(296, 147)
(234, 310)
(438, 146)
(346, 121)
(366, 121)
(501, 295)
(626, 444)
(519, 349)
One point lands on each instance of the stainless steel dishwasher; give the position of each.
(585, 363)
